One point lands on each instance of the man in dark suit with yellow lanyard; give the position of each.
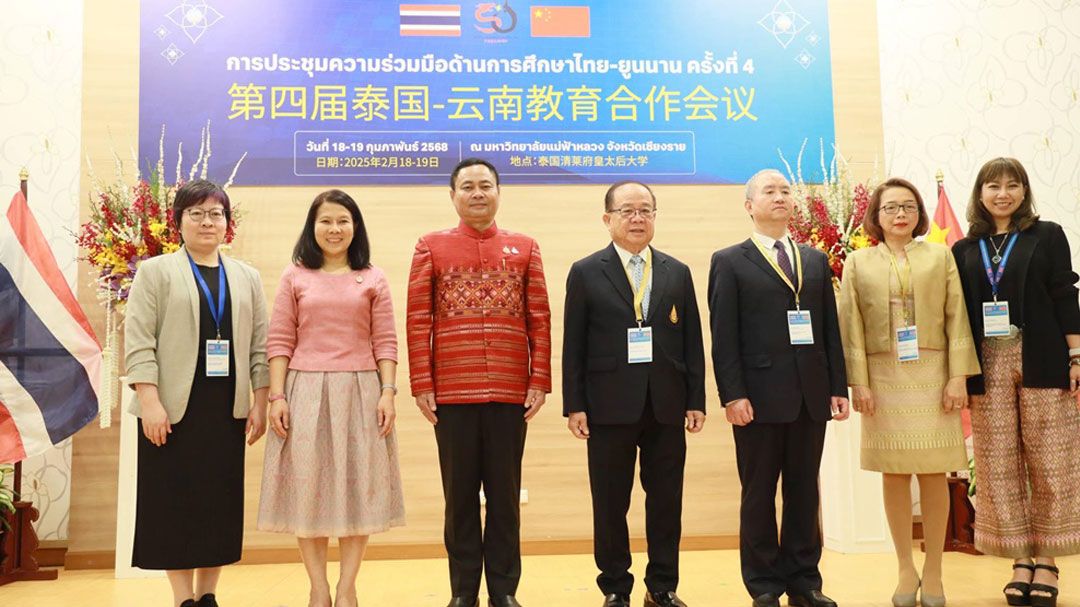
(633, 377)
(779, 367)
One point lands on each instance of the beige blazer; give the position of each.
(161, 331)
(940, 314)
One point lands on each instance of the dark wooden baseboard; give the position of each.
(51, 553)
(104, 559)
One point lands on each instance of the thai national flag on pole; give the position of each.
(50, 359)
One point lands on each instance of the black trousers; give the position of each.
(482, 445)
(763, 453)
(613, 450)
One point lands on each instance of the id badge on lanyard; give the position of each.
(995, 314)
(800, 326)
(907, 337)
(639, 345)
(907, 343)
(217, 350)
(217, 358)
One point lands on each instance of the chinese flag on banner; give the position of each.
(946, 230)
(559, 21)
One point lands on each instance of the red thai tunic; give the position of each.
(478, 321)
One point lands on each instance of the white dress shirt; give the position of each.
(769, 243)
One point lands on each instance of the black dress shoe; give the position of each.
(189, 603)
(464, 601)
(506, 600)
(810, 598)
(617, 600)
(207, 600)
(767, 600)
(663, 599)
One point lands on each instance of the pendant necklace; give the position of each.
(997, 248)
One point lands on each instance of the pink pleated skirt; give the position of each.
(333, 476)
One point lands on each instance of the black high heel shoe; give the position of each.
(1024, 598)
(1045, 601)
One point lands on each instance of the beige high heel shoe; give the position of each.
(906, 599)
(929, 600)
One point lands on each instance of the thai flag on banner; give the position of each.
(50, 359)
(430, 19)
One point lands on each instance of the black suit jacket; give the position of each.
(1041, 265)
(597, 378)
(752, 352)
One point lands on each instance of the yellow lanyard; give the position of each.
(780, 273)
(639, 292)
(903, 286)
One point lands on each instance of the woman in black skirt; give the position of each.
(195, 350)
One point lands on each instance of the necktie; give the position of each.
(637, 271)
(783, 260)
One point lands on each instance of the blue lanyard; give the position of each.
(995, 277)
(216, 312)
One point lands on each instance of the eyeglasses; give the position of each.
(197, 215)
(628, 213)
(892, 209)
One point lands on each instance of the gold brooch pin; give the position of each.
(674, 316)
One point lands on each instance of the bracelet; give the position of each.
(274, 397)
(1074, 361)
(1074, 352)
(389, 387)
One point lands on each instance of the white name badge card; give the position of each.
(217, 358)
(995, 319)
(639, 345)
(907, 343)
(800, 329)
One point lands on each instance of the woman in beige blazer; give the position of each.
(195, 349)
(908, 348)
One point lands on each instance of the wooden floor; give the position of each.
(709, 579)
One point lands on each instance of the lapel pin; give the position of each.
(674, 316)
(506, 250)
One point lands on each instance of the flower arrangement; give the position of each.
(829, 216)
(128, 224)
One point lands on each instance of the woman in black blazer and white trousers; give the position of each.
(1019, 285)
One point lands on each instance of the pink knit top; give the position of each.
(332, 322)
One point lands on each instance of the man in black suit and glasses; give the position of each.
(633, 378)
(780, 370)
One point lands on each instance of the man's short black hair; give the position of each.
(468, 162)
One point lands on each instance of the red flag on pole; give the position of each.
(945, 229)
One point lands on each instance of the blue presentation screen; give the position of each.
(378, 92)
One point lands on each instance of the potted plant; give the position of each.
(7, 506)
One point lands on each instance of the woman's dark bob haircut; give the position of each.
(196, 192)
(307, 252)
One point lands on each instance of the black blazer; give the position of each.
(597, 378)
(752, 352)
(1041, 264)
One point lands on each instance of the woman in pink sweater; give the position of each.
(331, 466)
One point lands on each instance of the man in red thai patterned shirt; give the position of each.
(479, 332)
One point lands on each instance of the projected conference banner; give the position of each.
(380, 92)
